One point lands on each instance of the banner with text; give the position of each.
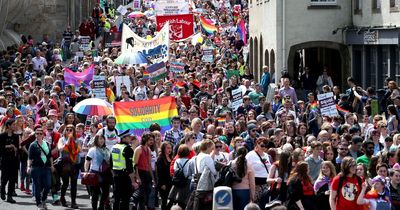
(99, 86)
(327, 104)
(155, 49)
(180, 26)
(157, 71)
(171, 7)
(139, 115)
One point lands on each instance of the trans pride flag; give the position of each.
(139, 115)
(79, 79)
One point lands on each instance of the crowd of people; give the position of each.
(280, 152)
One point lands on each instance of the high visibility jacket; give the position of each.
(119, 162)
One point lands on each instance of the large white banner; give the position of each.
(156, 48)
(171, 7)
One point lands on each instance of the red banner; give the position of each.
(181, 26)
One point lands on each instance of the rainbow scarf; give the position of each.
(207, 26)
(241, 29)
(139, 115)
(72, 149)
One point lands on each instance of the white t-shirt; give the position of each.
(111, 137)
(153, 159)
(97, 157)
(38, 63)
(222, 157)
(258, 167)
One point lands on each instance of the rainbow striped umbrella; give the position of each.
(93, 106)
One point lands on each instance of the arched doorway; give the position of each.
(272, 65)
(317, 55)
(255, 54)
(251, 55)
(266, 57)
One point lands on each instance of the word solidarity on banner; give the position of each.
(181, 26)
(155, 49)
(139, 115)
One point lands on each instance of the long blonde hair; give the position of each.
(331, 167)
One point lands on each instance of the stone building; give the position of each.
(356, 38)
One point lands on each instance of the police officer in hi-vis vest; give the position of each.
(123, 171)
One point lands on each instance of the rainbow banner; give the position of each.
(207, 26)
(139, 115)
(79, 79)
(241, 29)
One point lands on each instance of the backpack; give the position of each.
(340, 185)
(227, 176)
(179, 179)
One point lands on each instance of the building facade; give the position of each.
(338, 35)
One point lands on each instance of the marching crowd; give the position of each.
(276, 153)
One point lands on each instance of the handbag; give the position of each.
(89, 179)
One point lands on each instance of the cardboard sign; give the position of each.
(327, 104)
(122, 80)
(171, 7)
(181, 26)
(99, 87)
(112, 39)
(176, 67)
(208, 55)
(237, 98)
(84, 42)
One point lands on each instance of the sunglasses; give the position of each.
(69, 130)
(343, 149)
(370, 148)
(253, 130)
(219, 146)
(262, 145)
(39, 134)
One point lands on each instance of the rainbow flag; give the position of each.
(221, 121)
(110, 95)
(146, 75)
(241, 29)
(79, 79)
(314, 106)
(207, 26)
(139, 115)
(342, 111)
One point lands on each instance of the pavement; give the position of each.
(26, 202)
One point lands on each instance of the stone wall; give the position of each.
(38, 17)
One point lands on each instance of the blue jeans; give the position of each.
(42, 181)
(240, 199)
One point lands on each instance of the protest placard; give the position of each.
(84, 42)
(327, 104)
(237, 98)
(208, 55)
(176, 67)
(99, 86)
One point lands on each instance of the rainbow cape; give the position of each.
(207, 26)
(79, 79)
(241, 29)
(139, 115)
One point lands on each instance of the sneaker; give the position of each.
(28, 191)
(40, 207)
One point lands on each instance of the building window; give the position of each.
(376, 6)
(373, 67)
(323, 2)
(394, 5)
(357, 6)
